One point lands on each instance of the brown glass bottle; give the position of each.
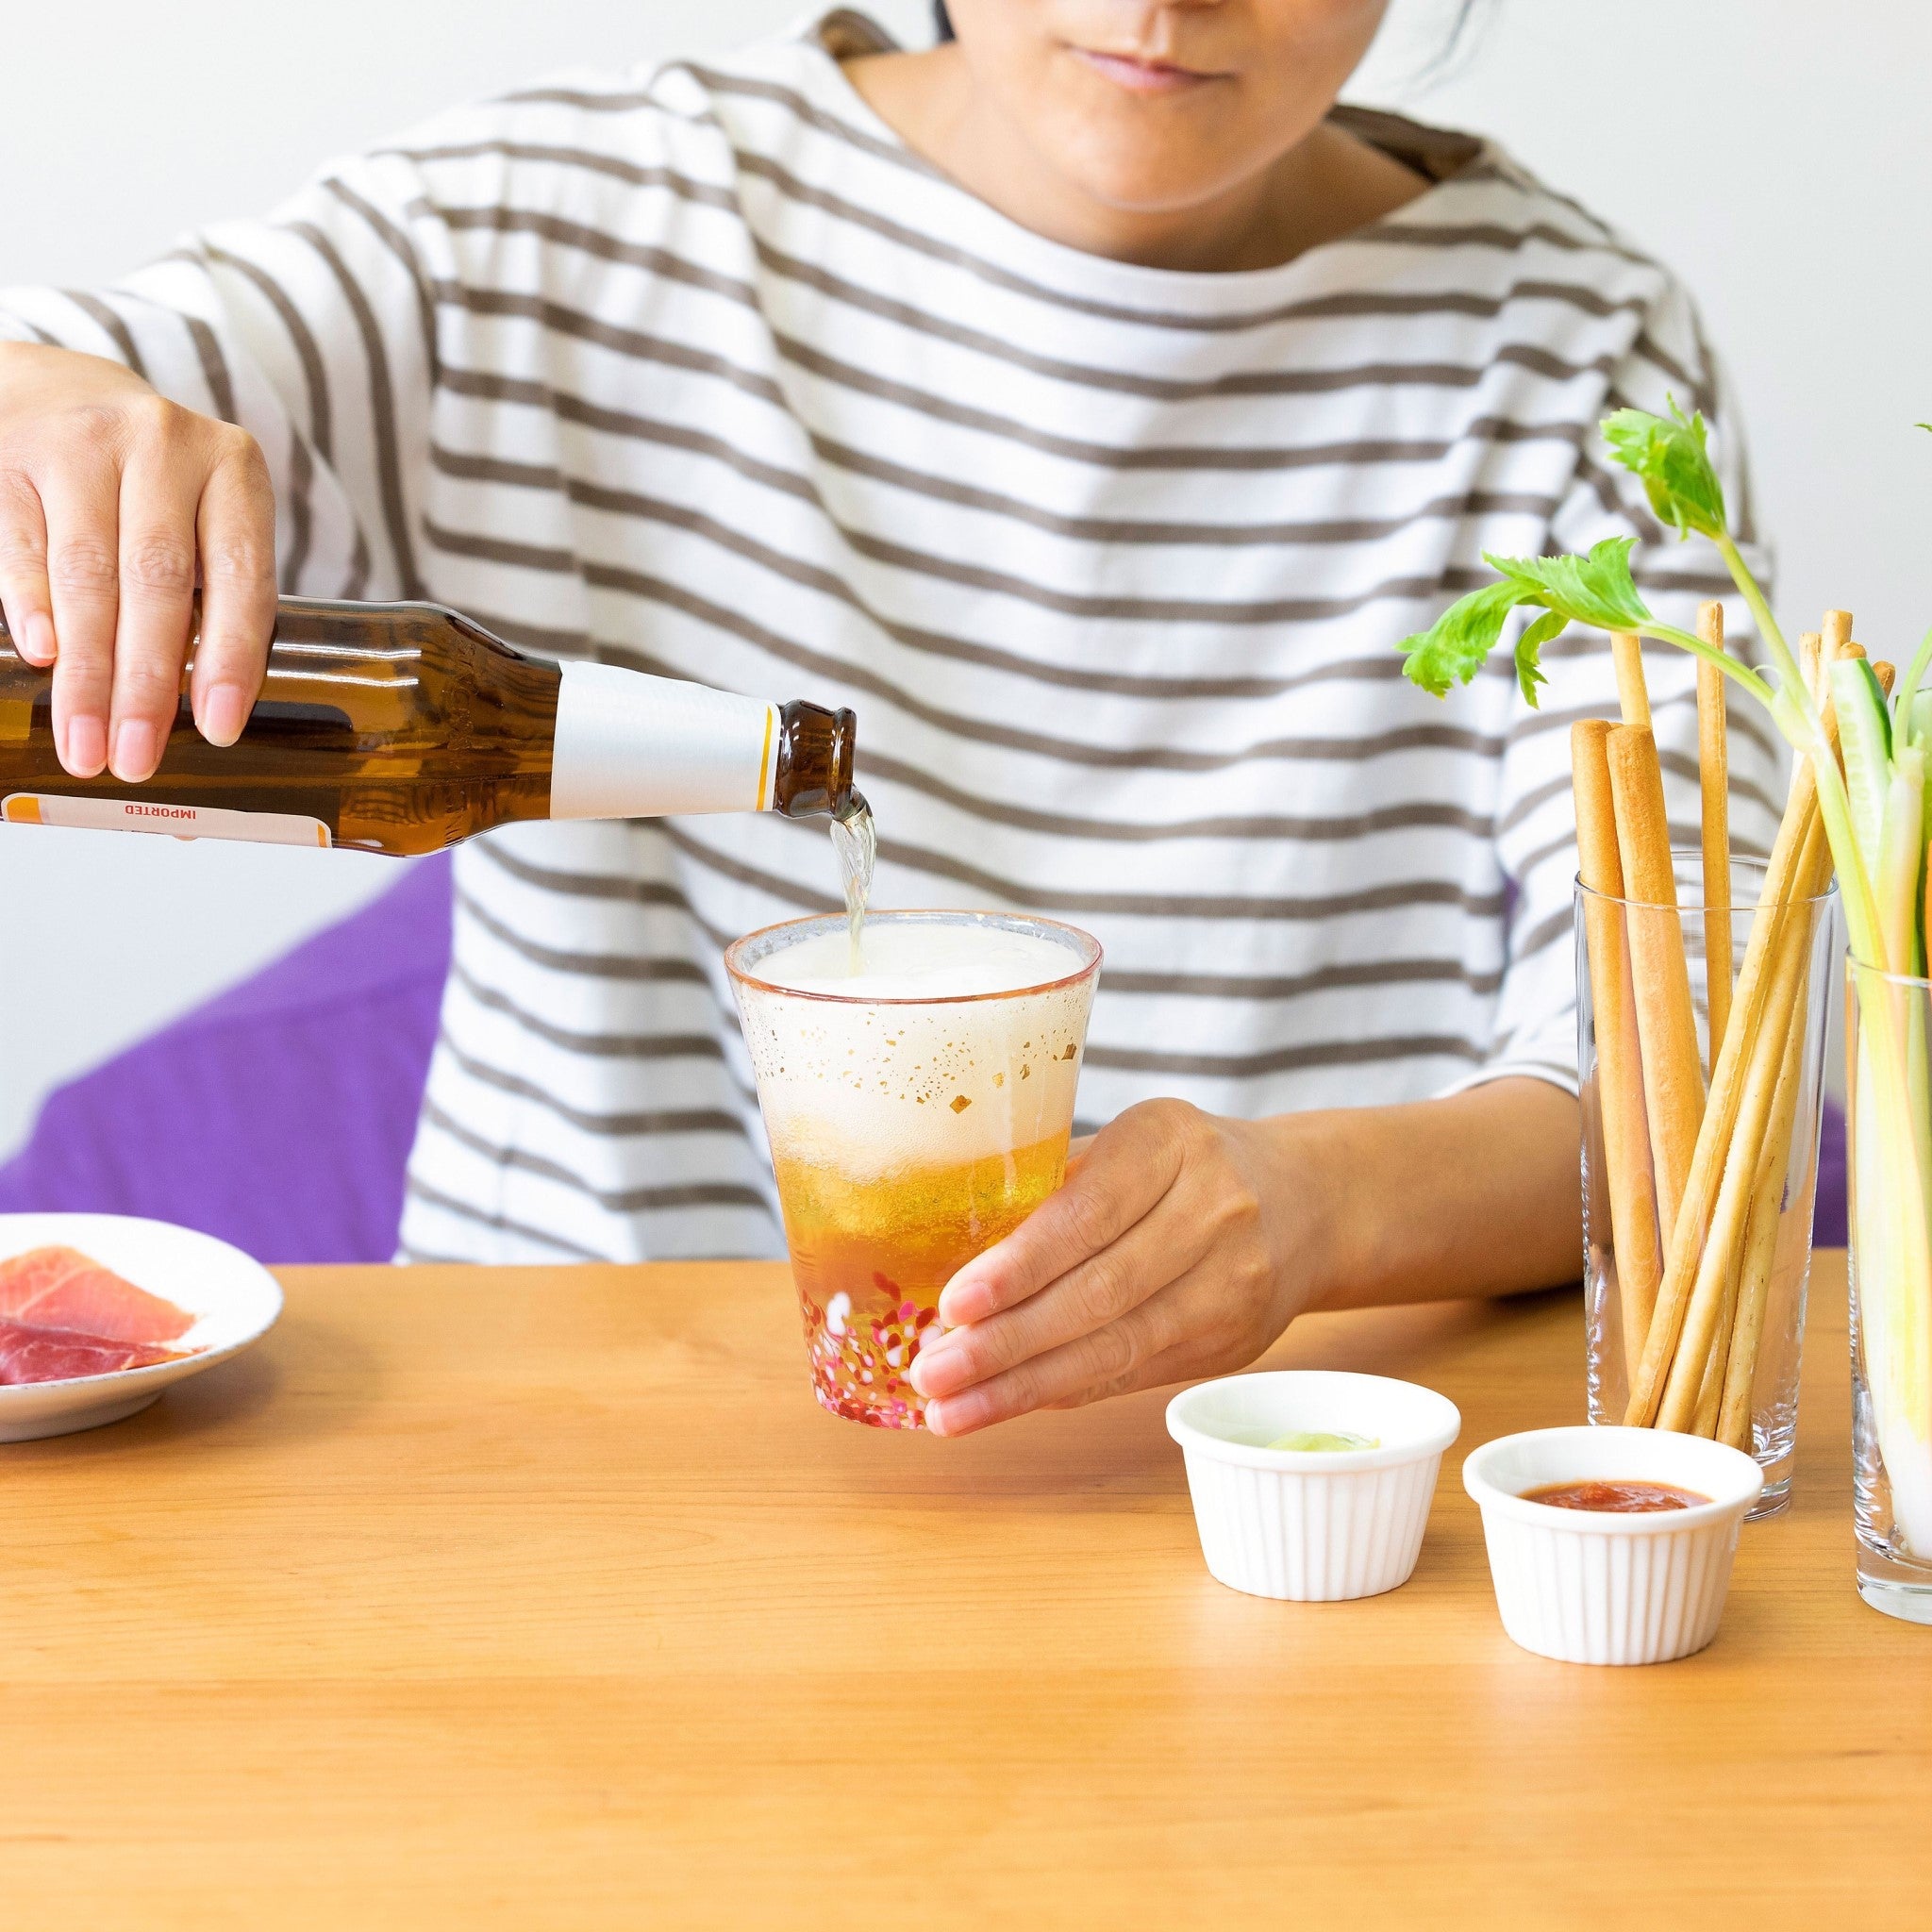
(405, 727)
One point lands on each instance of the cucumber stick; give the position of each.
(1864, 731)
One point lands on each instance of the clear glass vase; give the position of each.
(1756, 1355)
(1889, 1124)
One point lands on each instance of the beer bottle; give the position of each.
(406, 727)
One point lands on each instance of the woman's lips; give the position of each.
(1141, 76)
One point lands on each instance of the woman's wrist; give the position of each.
(1323, 1167)
(1471, 1195)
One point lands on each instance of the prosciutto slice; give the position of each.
(62, 1315)
(58, 1354)
(61, 1288)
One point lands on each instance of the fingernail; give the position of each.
(958, 1416)
(965, 1299)
(35, 639)
(134, 756)
(86, 747)
(224, 712)
(940, 1368)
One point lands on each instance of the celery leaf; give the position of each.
(1529, 669)
(1668, 456)
(1594, 589)
(1455, 647)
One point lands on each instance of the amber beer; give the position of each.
(919, 1106)
(406, 727)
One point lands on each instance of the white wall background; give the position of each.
(1775, 152)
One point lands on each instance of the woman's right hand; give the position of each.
(114, 502)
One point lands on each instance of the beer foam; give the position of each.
(919, 962)
(870, 1090)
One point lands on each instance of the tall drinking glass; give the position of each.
(1748, 1394)
(916, 1117)
(1888, 1025)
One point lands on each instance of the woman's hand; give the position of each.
(1183, 1244)
(1168, 1253)
(112, 500)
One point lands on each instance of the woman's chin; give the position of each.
(1142, 179)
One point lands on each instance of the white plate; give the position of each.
(235, 1301)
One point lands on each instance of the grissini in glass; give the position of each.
(1858, 805)
(1747, 1392)
(918, 1107)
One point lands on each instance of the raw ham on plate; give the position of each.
(100, 1313)
(62, 1315)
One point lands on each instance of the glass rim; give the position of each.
(1761, 866)
(1856, 969)
(1079, 940)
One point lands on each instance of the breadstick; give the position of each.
(1714, 780)
(1666, 1021)
(1633, 694)
(1717, 1267)
(1719, 1281)
(1618, 1064)
(1760, 1248)
(1787, 877)
(1793, 862)
(1710, 1395)
(1760, 1236)
(1811, 664)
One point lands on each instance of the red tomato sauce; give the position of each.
(1622, 1499)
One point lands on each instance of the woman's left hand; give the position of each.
(1168, 1254)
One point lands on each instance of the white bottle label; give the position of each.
(632, 746)
(150, 815)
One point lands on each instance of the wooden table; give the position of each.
(546, 1598)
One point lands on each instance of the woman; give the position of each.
(1093, 404)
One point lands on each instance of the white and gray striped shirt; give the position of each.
(702, 371)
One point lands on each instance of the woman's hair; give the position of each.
(943, 24)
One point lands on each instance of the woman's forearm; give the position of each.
(1476, 1194)
(1183, 1243)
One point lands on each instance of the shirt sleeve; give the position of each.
(314, 330)
(1536, 827)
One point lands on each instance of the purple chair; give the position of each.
(278, 1116)
(1830, 1211)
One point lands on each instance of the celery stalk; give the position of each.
(1901, 860)
(1894, 1255)
(1865, 738)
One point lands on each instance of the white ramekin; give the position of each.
(1588, 1587)
(1312, 1526)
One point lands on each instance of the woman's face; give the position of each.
(1158, 105)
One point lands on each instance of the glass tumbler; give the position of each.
(1890, 1125)
(907, 1136)
(1748, 1393)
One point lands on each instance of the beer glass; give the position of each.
(910, 1132)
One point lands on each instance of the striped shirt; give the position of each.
(702, 371)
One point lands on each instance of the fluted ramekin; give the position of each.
(1312, 1526)
(1591, 1587)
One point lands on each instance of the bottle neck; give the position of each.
(812, 772)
